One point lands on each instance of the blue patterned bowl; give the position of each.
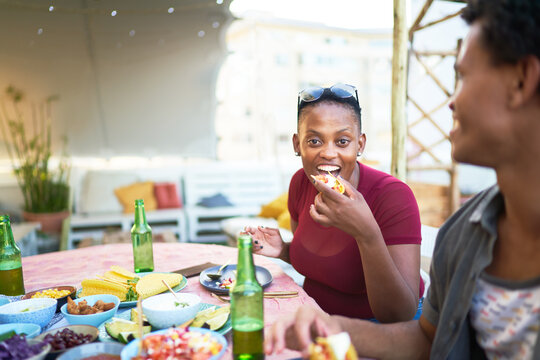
(34, 311)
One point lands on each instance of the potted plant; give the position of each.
(44, 187)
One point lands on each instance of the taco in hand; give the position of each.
(332, 182)
(334, 347)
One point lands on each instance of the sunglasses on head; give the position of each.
(314, 93)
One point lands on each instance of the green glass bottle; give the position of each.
(141, 237)
(247, 306)
(11, 275)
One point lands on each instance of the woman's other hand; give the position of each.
(267, 241)
(297, 331)
(348, 212)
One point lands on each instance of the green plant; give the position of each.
(44, 189)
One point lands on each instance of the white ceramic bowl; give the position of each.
(161, 311)
(92, 319)
(34, 311)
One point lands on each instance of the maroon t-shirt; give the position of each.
(329, 258)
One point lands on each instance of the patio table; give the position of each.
(72, 266)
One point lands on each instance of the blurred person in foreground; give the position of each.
(366, 263)
(484, 298)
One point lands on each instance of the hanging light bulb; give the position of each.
(219, 2)
(132, 33)
(51, 8)
(170, 10)
(113, 13)
(40, 31)
(201, 33)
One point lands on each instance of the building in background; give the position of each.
(271, 59)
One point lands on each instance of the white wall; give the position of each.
(141, 82)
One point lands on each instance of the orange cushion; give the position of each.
(140, 190)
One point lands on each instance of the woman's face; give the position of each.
(329, 140)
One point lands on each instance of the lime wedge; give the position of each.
(217, 321)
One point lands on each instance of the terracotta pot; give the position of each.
(50, 222)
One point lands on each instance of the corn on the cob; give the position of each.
(151, 284)
(93, 287)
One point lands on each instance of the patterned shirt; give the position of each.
(506, 317)
(463, 250)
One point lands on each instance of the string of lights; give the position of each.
(110, 11)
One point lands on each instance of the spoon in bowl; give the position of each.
(170, 289)
(217, 275)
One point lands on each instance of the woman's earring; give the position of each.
(359, 154)
(296, 153)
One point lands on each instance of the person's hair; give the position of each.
(510, 28)
(328, 97)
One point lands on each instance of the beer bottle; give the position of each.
(141, 237)
(11, 275)
(247, 306)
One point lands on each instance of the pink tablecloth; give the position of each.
(70, 267)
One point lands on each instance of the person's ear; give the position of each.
(296, 144)
(361, 143)
(527, 80)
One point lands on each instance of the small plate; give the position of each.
(79, 329)
(262, 274)
(126, 315)
(123, 304)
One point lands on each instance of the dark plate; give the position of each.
(60, 301)
(263, 276)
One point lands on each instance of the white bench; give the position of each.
(247, 186)
(96, 209)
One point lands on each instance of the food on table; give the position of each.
(179, 343)
(212, 318)
(102, 357)
(227, 283)
(17, 348)
(66, 339)
(117, 281)
(127, 285)
(51, 293)
(331, 181)
(33, 308)
(152, 284)
(334, 347)
(95, 287)
(7, 335)
(124, 330)
(82, 307)
(134, 316)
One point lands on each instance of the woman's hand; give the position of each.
(297, 331)
(348, 212)
(267, 242)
